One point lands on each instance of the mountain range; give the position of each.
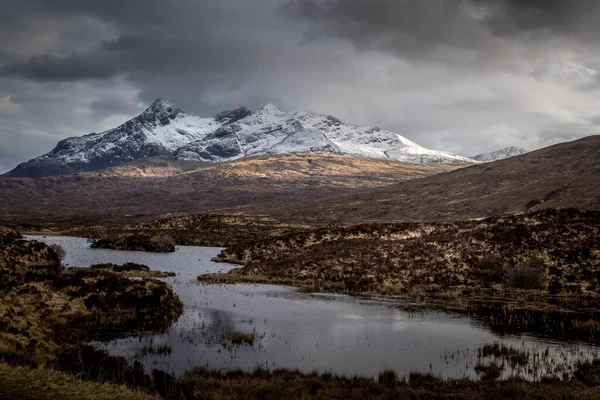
(313, 188)
(165, 130)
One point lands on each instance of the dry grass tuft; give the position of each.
(47, 384)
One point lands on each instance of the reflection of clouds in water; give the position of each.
(400, 322)
(352, 317)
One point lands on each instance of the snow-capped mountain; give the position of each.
(501, 154)
(166, 130)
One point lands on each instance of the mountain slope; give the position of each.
(501, 154)
(166, 130)
(163, 185)
(160, 129)
(306, 141)
(317, 188)
(559, 176)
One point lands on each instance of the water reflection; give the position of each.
(309, 332)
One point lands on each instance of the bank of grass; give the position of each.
(293, 385)
(18, 382)
(46, 310)
(502, 352)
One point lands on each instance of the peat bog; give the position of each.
(534, 274)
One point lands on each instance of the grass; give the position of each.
(163, 349)
(286, 384)
(500, 351)
(45, 310)
(239, 338)
(489, 371)
(48, 384)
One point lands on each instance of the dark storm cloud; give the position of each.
(407, 27)
(75, 67)
(578, 18)
(412, 28)
(460, 75)
(130, 54)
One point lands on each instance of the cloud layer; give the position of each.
(460, 75)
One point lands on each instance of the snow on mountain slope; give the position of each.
(501, 154)
(306, 141)
(165, 129)
(376, 143)
(159, 130)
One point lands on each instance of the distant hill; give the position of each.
(159, 185)
(559, 176)
(501, 154)
(317, 188)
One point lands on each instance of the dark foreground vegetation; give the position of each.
(47, 312)
(509, 272)
(44, 383)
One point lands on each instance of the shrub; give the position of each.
(163, 243)
(488, 372)
(59, 251)
(388, 378)
(527, 275)
(239, 338)
(488, 270)
(141, 242)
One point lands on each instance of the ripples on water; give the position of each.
(333, 333)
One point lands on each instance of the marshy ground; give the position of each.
(509, 272)
(46, 312)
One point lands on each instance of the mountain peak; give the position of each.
(230, 116)
(161, 105)
(271, 109)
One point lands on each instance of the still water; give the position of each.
(327, 333)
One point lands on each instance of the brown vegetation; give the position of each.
(550, 259)
(524, 252)
(184, 229)
(239, 338)
(559, 176)
(294, 385)
(131, 270)
(49, 384)
(44, 310)
(144, 188)
(565, 241)
(159, 243)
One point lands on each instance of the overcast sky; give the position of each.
(467, 76)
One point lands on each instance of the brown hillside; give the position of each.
(159, 186)
(559, 176)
